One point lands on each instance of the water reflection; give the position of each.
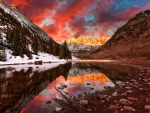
(82, 79)
(28, 89)
(19, 86)
(100, 77)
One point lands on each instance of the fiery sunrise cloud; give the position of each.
(64, 19)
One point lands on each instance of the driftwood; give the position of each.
(70, 101)
(64, 95)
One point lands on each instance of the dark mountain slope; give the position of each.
(131, 40)
(21, 35)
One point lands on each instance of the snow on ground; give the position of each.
(45, 57)
(74, 58)
(38, 68)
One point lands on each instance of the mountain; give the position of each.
(132, 40)
(21, 36)
(81, 47)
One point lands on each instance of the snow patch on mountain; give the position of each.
(73, 47)
(21, 18)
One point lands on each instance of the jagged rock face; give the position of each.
(131, 40)
(73, 47)
(81, 50)
(31, 38)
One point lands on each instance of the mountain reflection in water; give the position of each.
(88, 80)
(19, 86)
(100, 77)
(29, 89)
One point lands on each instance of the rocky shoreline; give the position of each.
(132, 95)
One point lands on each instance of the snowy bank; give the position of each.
(45, 57)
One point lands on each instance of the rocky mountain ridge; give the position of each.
(21, 36)
(131, 40)
(81, 46)
(22, 19)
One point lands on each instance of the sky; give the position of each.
(64, 19)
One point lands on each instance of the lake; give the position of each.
(30, 88)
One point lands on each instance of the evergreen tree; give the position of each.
(54, 50)
(50, 49)
(64, 51)
(9, 37)
(16, 43)
(2, 54)
(35, 45)
(21, 53)
(28, 53)
(23, 44)
(61, 55)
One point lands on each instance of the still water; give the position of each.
(30, 88)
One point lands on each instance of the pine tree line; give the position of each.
(19, 38)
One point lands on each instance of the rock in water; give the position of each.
(63, 85)
(48, 102)
(88, 84)
(59, 97)
(58, 108)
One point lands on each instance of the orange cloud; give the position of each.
(74, 18)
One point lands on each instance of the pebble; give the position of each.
(115, 94)
(83, 102)
(107, 99)
(60, 87)
(48, 102)
(63, 85)
(128, 87)
(114, 107)
(129, 74)
(136, 83)
(140, 78)
(89, 109)
(91, 88)
(133, 80)
(100, 97)
(147, 106)
(118, 82)
(145, 80)
(140, 88)
(59, 97)
(79, 95)
(129, 91)
(124, 101)
(58, 108)
(88, 84)
(129, 108)
(130, 83)
(131, 98)
(102, 100)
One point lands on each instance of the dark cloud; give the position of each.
(89, 18)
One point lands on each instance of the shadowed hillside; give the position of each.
(131, 40)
